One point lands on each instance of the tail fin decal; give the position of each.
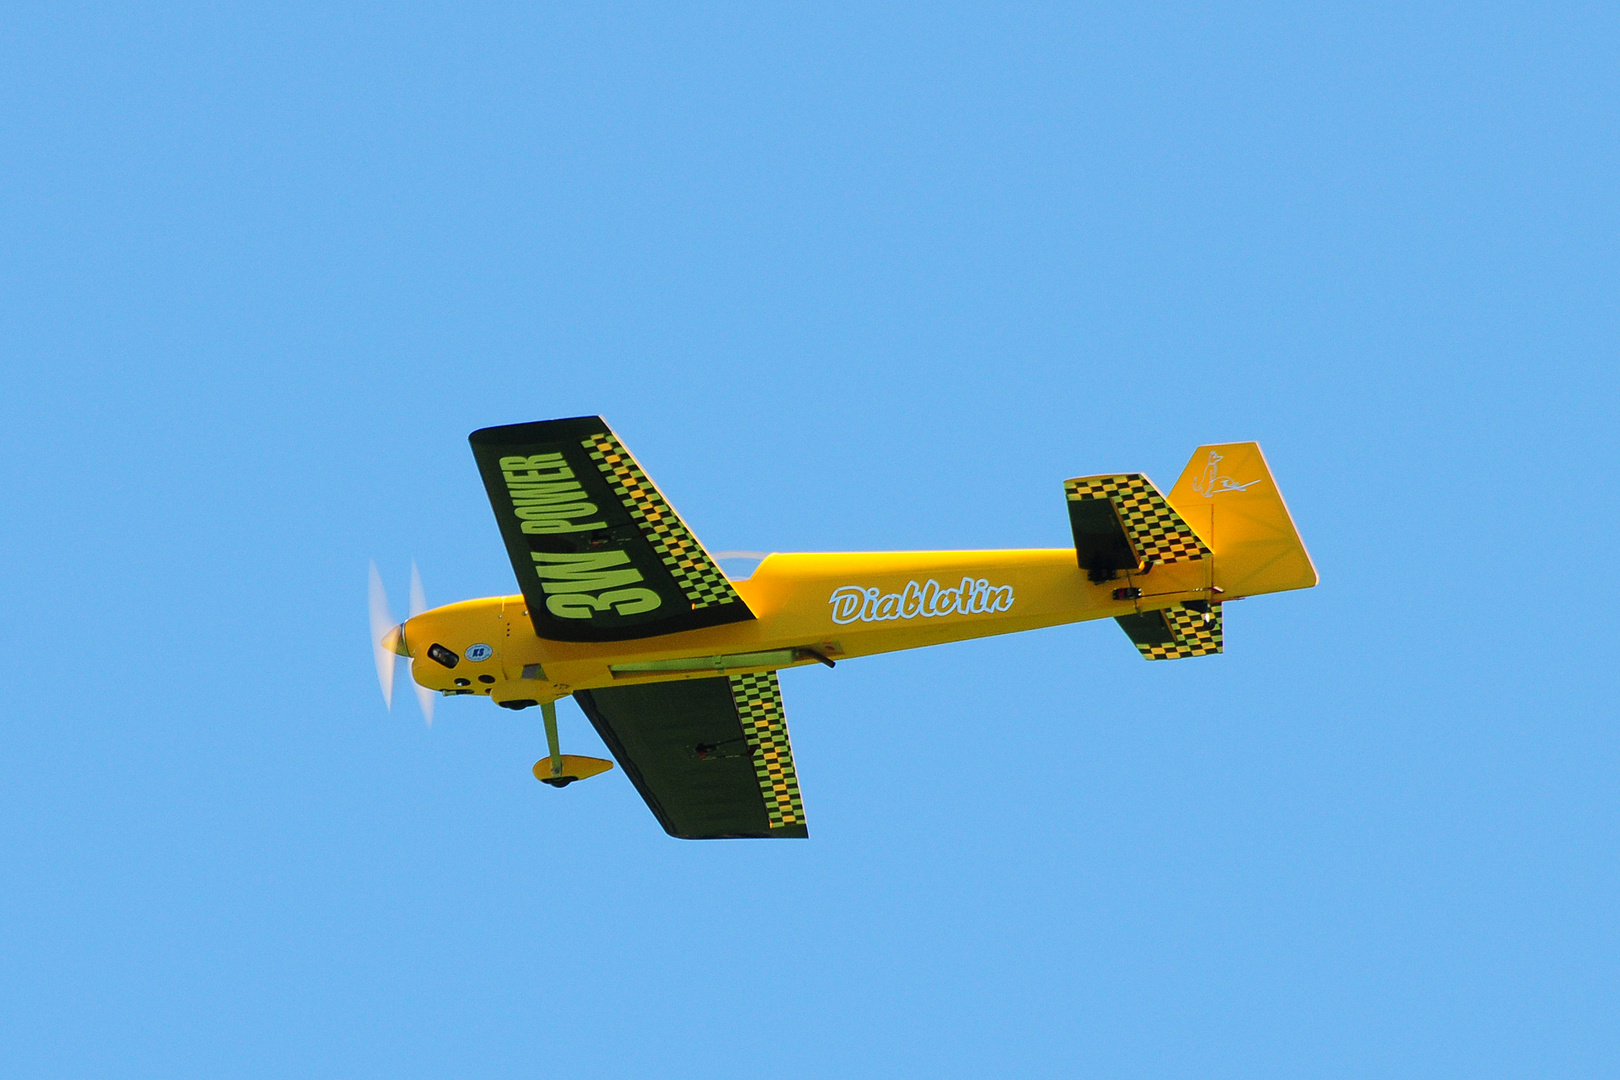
(1227, 493)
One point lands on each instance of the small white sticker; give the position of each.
(479, 652)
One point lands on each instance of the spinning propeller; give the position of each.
(388, 642)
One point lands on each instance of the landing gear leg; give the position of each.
(560, 770)
(548, 710)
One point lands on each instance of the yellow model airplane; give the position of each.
(675, 664)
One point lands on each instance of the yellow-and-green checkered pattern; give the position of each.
(698, 576)
(1194, 635)
(759, 705)
(1157, 532)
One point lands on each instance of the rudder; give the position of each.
(1228, 496)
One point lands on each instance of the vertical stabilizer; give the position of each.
(1228, 497)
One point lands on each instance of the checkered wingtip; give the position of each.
(698, 576)
(759, 706)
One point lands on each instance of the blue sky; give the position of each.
(843, 279)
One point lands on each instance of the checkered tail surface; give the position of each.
(1197, 633)
(1156, 531)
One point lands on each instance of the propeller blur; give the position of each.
(388, 639)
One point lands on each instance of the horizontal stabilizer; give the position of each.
(1122, 523)
(1175, 633)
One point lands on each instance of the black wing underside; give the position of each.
(599, 553)
(710, 756)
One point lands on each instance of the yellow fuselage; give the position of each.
(836, 606)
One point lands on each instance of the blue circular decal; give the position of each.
(476, 653)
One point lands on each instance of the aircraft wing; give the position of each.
(710, 756)
(599, 553)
